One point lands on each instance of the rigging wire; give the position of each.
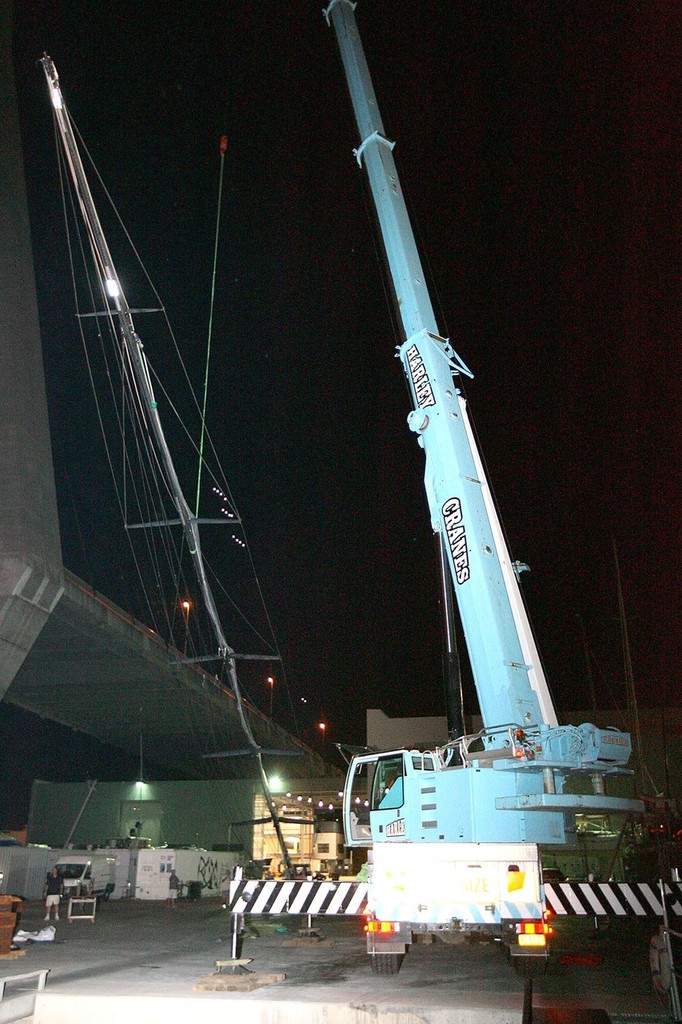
(156, 513)
(223, 148)
(63, 191)
(161, 309)
(148, 508)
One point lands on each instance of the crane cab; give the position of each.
(380, 792)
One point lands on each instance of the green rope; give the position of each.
(223, 147)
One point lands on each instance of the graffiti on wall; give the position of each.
(208, 873)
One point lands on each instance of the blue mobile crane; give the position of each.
(453, 834)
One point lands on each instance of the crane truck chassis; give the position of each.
(436, 865)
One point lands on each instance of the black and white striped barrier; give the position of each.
(607, 899)
(297, 897)
(612, 899)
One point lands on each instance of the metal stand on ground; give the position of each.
(18, 1002)
(309, 932)
(87, 909)
(236, 964)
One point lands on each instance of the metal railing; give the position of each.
(16, 1000)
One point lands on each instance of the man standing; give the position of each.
(173, 886)
(54, 887)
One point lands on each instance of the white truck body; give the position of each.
(205, 867)
(455, 889)
(451, 886)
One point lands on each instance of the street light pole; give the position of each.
(271, 683)
(322, 726)
(186, 605)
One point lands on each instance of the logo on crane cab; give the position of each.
(420, 378)
(457, 540)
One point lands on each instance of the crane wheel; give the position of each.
(530, 966)
(386, 963)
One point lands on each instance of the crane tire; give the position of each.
(386, 963)
(529, 966)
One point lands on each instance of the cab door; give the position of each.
(387, 802)
(356, 800)
(374, 796)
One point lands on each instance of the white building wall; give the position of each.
(384, 733)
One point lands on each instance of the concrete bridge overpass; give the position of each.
(96, 669)
(67, 653)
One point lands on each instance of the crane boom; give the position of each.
(505, 662)
(512, 690)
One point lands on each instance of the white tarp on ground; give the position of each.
(45, 934)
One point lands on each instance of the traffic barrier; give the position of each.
(611, 899)
(297, 897)
(600, 899)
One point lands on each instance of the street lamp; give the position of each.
(186, 605)
(271, 683)
(322, 726)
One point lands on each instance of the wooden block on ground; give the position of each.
(235, 982)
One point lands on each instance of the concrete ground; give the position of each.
(140, 961)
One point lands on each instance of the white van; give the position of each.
(87, 874)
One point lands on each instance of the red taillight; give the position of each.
(534, 928)
(382, 927)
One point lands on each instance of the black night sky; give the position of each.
(535, 145)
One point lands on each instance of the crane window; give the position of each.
(387, 791)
